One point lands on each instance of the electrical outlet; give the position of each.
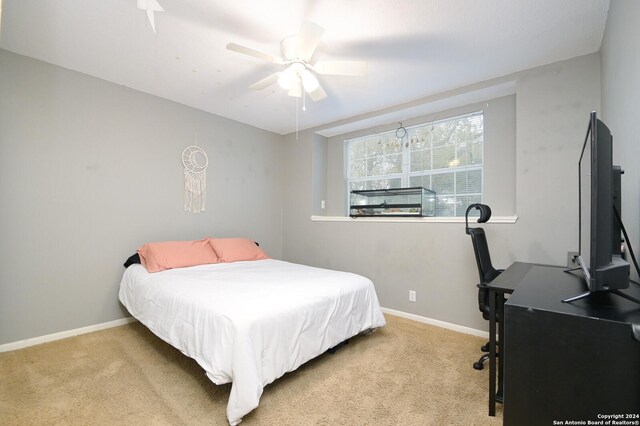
(323, 204)
(412, 295)
(572, 259)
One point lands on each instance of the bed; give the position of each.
(250, 322)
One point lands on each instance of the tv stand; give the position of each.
(577, 297)
(626, 296)
(589, 292)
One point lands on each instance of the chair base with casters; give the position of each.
(479, 364)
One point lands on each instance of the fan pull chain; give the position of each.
(297, 103)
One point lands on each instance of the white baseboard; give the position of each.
(64, 334)
(438, 323)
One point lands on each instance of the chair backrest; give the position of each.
(486, 271)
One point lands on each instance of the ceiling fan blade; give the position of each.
(352, 68)
(265, 82)
(308, 40)
(255, 53)
(318, 94)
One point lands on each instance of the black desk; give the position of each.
(505, 283)
(569, 361)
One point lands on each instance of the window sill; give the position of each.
(494, 219)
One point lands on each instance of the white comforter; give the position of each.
(251, 322)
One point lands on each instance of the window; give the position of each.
(444, 156)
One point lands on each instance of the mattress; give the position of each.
(249, 323)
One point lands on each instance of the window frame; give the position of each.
(406, 174)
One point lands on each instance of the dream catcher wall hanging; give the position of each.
(195, 163)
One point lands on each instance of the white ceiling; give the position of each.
(414, 48)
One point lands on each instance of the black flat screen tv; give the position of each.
(599, 185)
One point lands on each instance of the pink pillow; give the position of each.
(176, 254)
(236, 249)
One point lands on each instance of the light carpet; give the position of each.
(407, 373)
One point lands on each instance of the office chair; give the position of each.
(486, 271)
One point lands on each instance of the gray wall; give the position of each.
(319, 170)
(552, 105)
(621, 103)
(90, 170)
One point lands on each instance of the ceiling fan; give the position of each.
(299, 73)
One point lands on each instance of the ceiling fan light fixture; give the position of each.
(295, 90)
(287, 78)
(309, 81)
